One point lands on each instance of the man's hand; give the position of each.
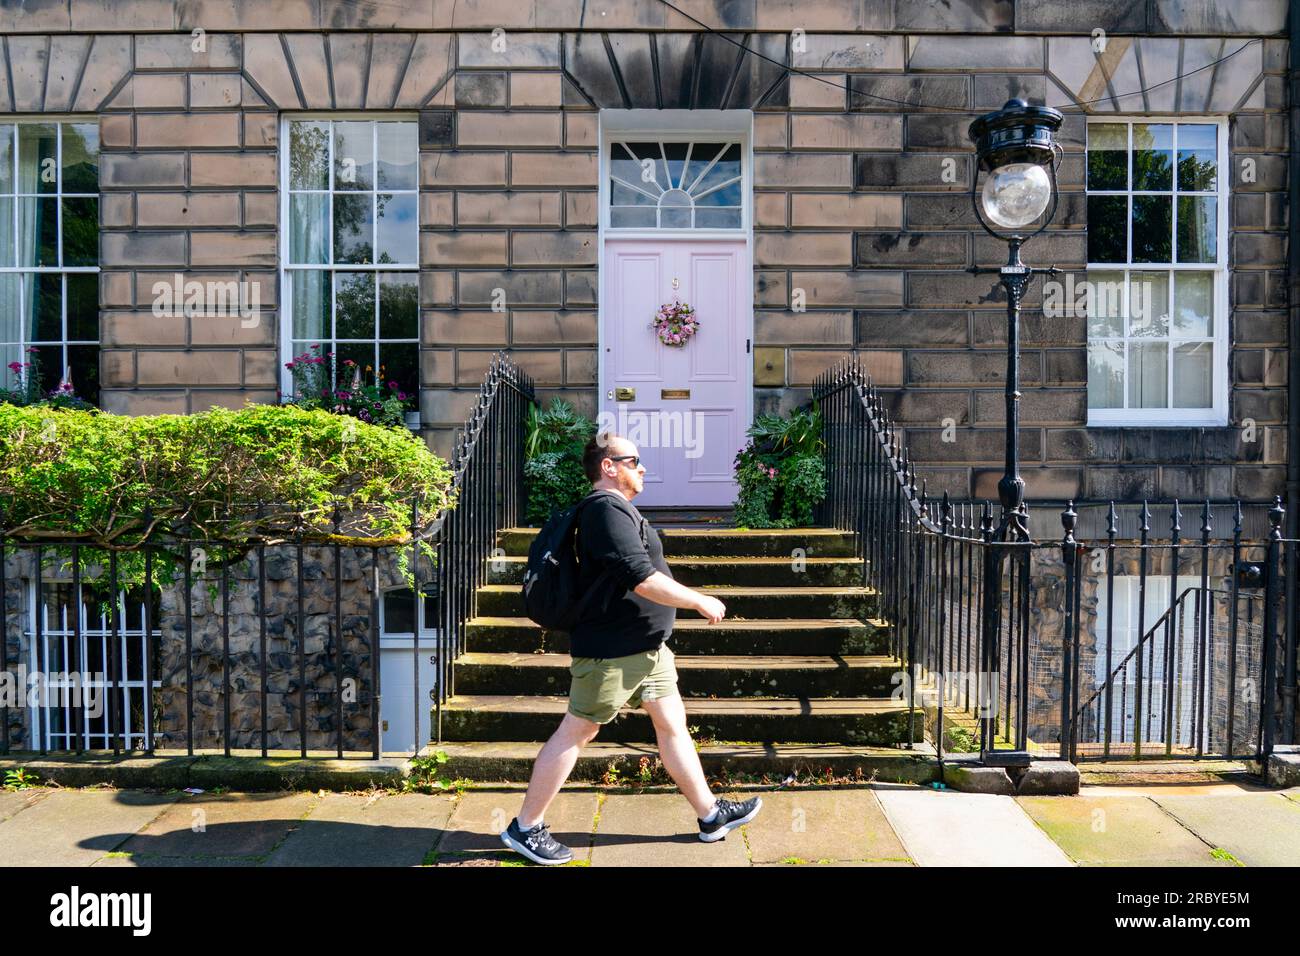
(662, 589)
(713, 609)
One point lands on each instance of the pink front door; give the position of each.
(686, 407)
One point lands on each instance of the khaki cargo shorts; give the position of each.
(603, 685)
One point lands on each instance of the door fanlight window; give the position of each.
(676, 185)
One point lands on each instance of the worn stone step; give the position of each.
(512, 761)
(732, 571)
(727, 542)
(722, 676)
(507, 600)
(868, 721)
(805, 636)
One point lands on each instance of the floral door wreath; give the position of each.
(675, 323)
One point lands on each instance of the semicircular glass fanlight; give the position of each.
(675, 185)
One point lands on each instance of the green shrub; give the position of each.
(67, 473)
(555, 480)
(780, 472)
(553, 474)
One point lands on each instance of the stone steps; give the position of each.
(510, 761)
(727, 542)
(729, 571)
(860, 721)
(722, 676)
(695, 636)
(798, 675)
(507, 600)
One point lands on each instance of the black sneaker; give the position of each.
(730, 815)
(537, 844)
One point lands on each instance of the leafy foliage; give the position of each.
(558, 428)
(111, 479)
(780, 471)
(553, 472)
(555, 481)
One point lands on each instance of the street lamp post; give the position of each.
(1016, 148)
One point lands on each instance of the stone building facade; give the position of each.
(858, 230)
(862, 225)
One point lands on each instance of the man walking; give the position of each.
(620, 656)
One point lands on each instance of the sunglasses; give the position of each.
(634, 459)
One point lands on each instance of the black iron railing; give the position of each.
(1053, 648)
(269, 643)
(489, 483)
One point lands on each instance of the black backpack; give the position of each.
(551, 596)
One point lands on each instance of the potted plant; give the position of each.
(367, 396)
(553, 474)
(26, 388)
(780, 472)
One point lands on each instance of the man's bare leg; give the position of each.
(677, 751)
(554, 763)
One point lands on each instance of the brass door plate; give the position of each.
(671, 393)
(624, 394)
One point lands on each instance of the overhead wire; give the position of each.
(935, 107)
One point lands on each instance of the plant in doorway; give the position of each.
(553, 476)
(780, 471)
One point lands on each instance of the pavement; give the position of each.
(1218, 824)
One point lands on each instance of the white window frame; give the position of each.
(58, 195)
(406, 639)
(117, 692)
(1126, 634)
(1217, 414)
(286, 228)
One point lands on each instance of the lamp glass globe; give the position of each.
(1016, 194)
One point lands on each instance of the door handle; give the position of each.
(624, 394)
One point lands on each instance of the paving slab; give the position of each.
(473, 831)
(1213, 788)
(15, 801)
(222, 825)
(1117, 831)
(661, 829)
(1258, 829)
(949, 828)
(77, 827)
(817, 864)
(823, 825)
(367, 830)
(140, 861)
